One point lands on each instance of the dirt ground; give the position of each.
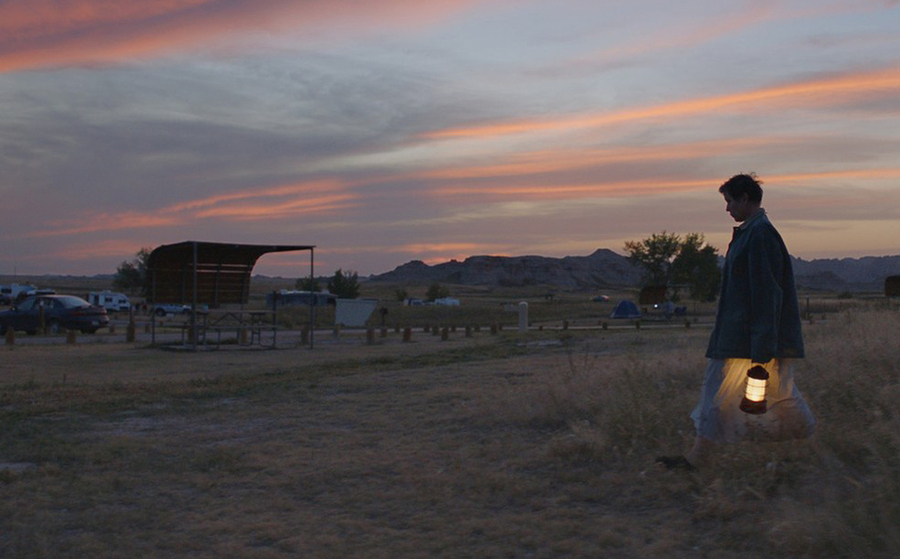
(487, 447)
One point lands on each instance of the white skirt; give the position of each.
(718, 417)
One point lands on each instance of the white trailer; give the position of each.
(110, 300)
(9, 293)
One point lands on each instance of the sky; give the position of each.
(396, 130)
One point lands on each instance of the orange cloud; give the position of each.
(316, 197)
(279, 210)
(106, 222)
(562, 192)
(440, 247)
(276, 191)
(548, 161)
(825, 91)
(859, 174)
(43, 33)
(639, 187)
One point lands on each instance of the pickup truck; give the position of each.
(162, 309)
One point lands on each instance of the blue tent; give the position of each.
(625, 309)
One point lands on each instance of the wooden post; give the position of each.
(130, 331)
(370, 336)
(407, 334)
(445, 334)
(71, 337)
(337, 331)
(565, 324)
(384, 332)
(637, 324)
(494, 329)
(304, 335)
(435, 330)
(604, 325)
(10, 337)
(468, 331)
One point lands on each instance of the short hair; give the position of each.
(739, 185)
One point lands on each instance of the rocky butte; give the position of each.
(605, 268)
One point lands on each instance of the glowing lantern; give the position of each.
(754, 400)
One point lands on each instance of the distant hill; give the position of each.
(605, 268)
(602, 268)
(846, 274)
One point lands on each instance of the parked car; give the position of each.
(60, 312)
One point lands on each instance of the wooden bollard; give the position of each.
(396, 329)
(10, 337)
(370, 336)
(453, 329)
(445, 334)
(604, 325)
(435, 330)
(337, 331)
(130, 332)
(407, 334)
(304, 335)
(565, 324)
(427, 329)
(494, 329)
(637, 324)
(244, 336)
(478, 327)
(384, 332)
(687, 323)
(71, 337)
(468, 331)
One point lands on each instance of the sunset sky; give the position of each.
(385, 131)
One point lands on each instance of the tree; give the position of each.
(698, 267)
(343, 285)
(308, 284)
(669, 259)
(131, 275)
(655, 254)
(436, 291)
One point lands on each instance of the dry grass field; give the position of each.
(537, 445)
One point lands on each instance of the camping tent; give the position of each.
(625, 309)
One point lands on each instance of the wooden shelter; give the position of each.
(209, 274)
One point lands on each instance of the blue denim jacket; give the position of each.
(758, 316)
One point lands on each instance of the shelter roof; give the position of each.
(206, 273)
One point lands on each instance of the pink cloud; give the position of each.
(48, 33)
(262, 204)
(824, 91)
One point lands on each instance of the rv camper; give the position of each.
(110, 300)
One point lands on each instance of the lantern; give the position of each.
(754, 400)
